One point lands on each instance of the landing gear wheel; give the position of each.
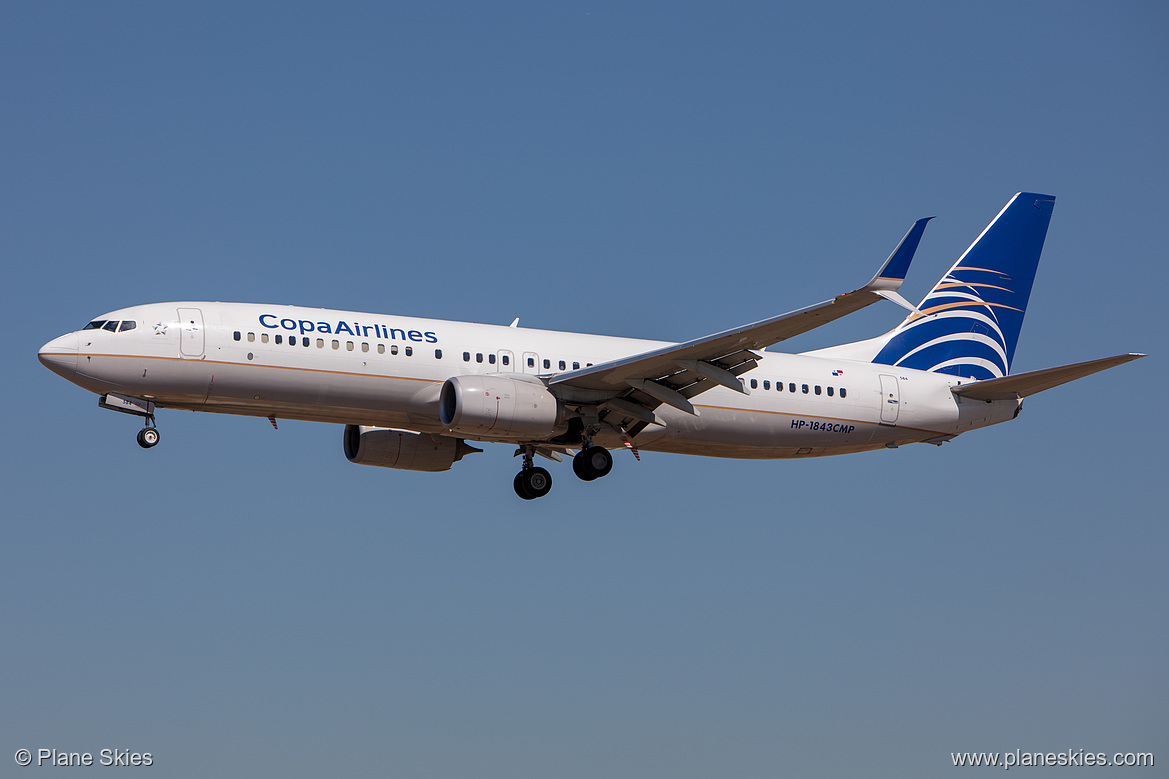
(148, 437)
(592, 463)
(518, 485)
(580, 468)
(532, 483)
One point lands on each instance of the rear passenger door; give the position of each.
(890, 400)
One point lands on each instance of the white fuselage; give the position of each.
(387, 371)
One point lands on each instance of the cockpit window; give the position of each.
(113, 325)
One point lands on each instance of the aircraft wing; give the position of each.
(630, 388)
(1020, 385)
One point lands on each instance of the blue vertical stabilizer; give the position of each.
(969, 324)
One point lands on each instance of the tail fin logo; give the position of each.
(969, 323)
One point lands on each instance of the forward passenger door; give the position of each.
(191, 333)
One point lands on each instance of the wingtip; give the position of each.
(893, 272)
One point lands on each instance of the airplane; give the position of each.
(411, 393)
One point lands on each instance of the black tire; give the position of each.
(148, 437)
(581, 469)
(596, 460)
(518, 485)
(536, 482)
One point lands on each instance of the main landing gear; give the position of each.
(592, 462)
(531, 482)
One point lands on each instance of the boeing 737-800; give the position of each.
(412, 392)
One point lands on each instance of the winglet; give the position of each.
(892, 273)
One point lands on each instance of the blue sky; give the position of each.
(243, 601)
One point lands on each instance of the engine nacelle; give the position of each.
(403, 449)
(499, 407)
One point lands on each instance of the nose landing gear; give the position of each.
(148, 436)
(139, 407)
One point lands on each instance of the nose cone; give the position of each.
(60, 355)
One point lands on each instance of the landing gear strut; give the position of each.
(531, 482)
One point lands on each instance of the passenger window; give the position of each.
(438, 354)
(263, 338)
(478, 356)
(292, 340)
(320, 343)
(830, 391)
(766, 384)
(305, 341)
(791, 387)
(130, 324)
(754, 384)
(336, 344)
(804, 388)
(506, 360)
(394, 349)
(348, 345)
(547, 364)
(251, 337)
(409, 351)
(236, 335)
(111, 325)
(575, 365)
(817, 389)
(779, 386)
(843, 392)
(491, 359)
(531, 362)
(279, 338)
(381, 348)
(563, 365)
(365, 347)
(466, 356)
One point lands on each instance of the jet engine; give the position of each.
(403, 449)
(499, 407)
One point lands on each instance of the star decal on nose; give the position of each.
(160, 329)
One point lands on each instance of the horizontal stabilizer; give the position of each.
(1023, 384)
